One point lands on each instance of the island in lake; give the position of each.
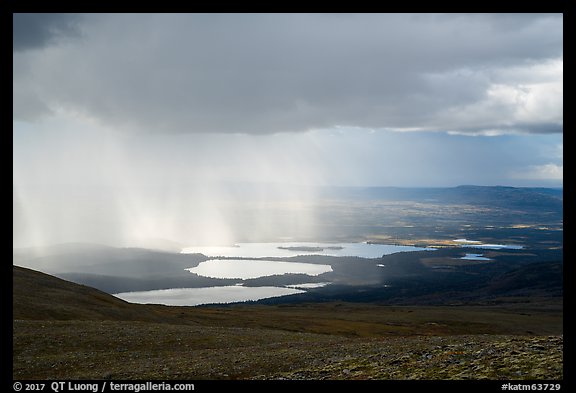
(309, 248)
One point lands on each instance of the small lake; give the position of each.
(478, 244)
(292, 249)
(495, 246)
(308, 285)
(475, 257)
(246, 268)
(208, 295)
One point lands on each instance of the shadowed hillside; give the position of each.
(39, 296)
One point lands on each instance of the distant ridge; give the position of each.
(528, 198)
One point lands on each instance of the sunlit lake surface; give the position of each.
(245, 269)
(475, 257)
(495, 246)
(478, 244)
(292, 249)
(309, 285)
(209, 295)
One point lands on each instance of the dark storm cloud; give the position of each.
(293, 72)
(33, 31)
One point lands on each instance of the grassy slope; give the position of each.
(41, 296)
(65, 330)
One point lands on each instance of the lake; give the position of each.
(292, 249)
(478, 244)
(475, 257)
(252, 268)
(247, 268)
(208, 295)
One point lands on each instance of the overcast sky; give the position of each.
(144, 75)
(328, 99)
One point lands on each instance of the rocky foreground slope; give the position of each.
(137, 350)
